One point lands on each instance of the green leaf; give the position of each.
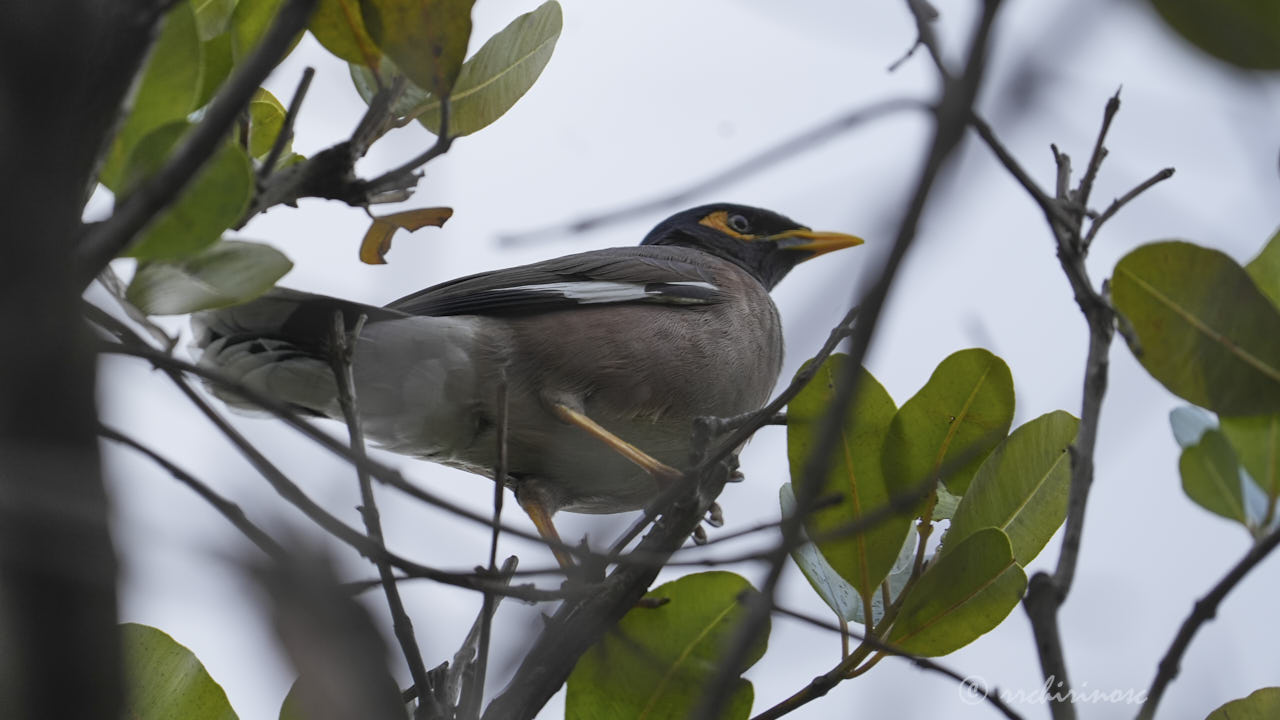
(490, 82)
(947, 429)
(168, 90)
(213, 201)
(1263, 704)
(213, 17)
(1189, 424)
(291, 708)
(164, 680)
(1256, 441)
(855, 477)
(1204, 330)
(266, 119)
(1245, 33)
(945, 504)
(657, 661)
(838, 594)
(1265, 269)
(427, 39)
(217, 66)
(1021, 488)
(1211, 477)
(249, 23)
(962, 595)
(339, 27)
(225, 273)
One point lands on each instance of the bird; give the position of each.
(605, 358)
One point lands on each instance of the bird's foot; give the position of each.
(715, 516)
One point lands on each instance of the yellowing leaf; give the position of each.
(377, 241)
(427, 39)
(339, 27)
(491, 81)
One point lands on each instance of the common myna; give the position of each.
(607, 357)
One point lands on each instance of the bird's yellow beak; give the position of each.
(815, 242)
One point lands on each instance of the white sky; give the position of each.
(642, 98)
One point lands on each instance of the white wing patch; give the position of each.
(590, 292)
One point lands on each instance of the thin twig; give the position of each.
(397, 177)
(228, 509)
(1115, 205)
(1206, 608)
(341, 359)
(925, 15)
(923, 663)
(746, 425)
(378, 470)
(473, 690)
(109, 238)
(784, 151)
(1065, 214)
(1085, 191)
(366, 546)
(286, 128)
(582, 621)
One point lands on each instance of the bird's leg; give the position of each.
(537, 512)
(663, 473)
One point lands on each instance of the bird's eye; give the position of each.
(739, 223)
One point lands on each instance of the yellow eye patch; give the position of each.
(719, 220)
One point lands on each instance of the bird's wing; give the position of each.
(648, 274)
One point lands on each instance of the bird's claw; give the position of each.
(715, 516)
(699, 536)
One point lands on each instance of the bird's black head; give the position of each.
(762, 242)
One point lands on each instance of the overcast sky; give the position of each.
(643, 98)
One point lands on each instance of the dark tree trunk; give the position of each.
(64, 68)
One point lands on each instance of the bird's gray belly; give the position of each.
(645, 375)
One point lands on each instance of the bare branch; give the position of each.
(822, 684)
(781, 152)
(404, 175)
(285, 136)
(378, 470)
(229, 510)
(1115, 205)
(952, 114)
(582, 621)
(341, 357)
(1205, 609)
(925, 15)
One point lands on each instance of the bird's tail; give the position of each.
(279, 344)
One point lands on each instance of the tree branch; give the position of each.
(786, 150)
(381, 472)
(824, 683)
(341, 356)
(952, 114)
(228, 509)
(1065, 215)
(286, 128)
(1205, 609)
(112, 236)
(580, 622)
